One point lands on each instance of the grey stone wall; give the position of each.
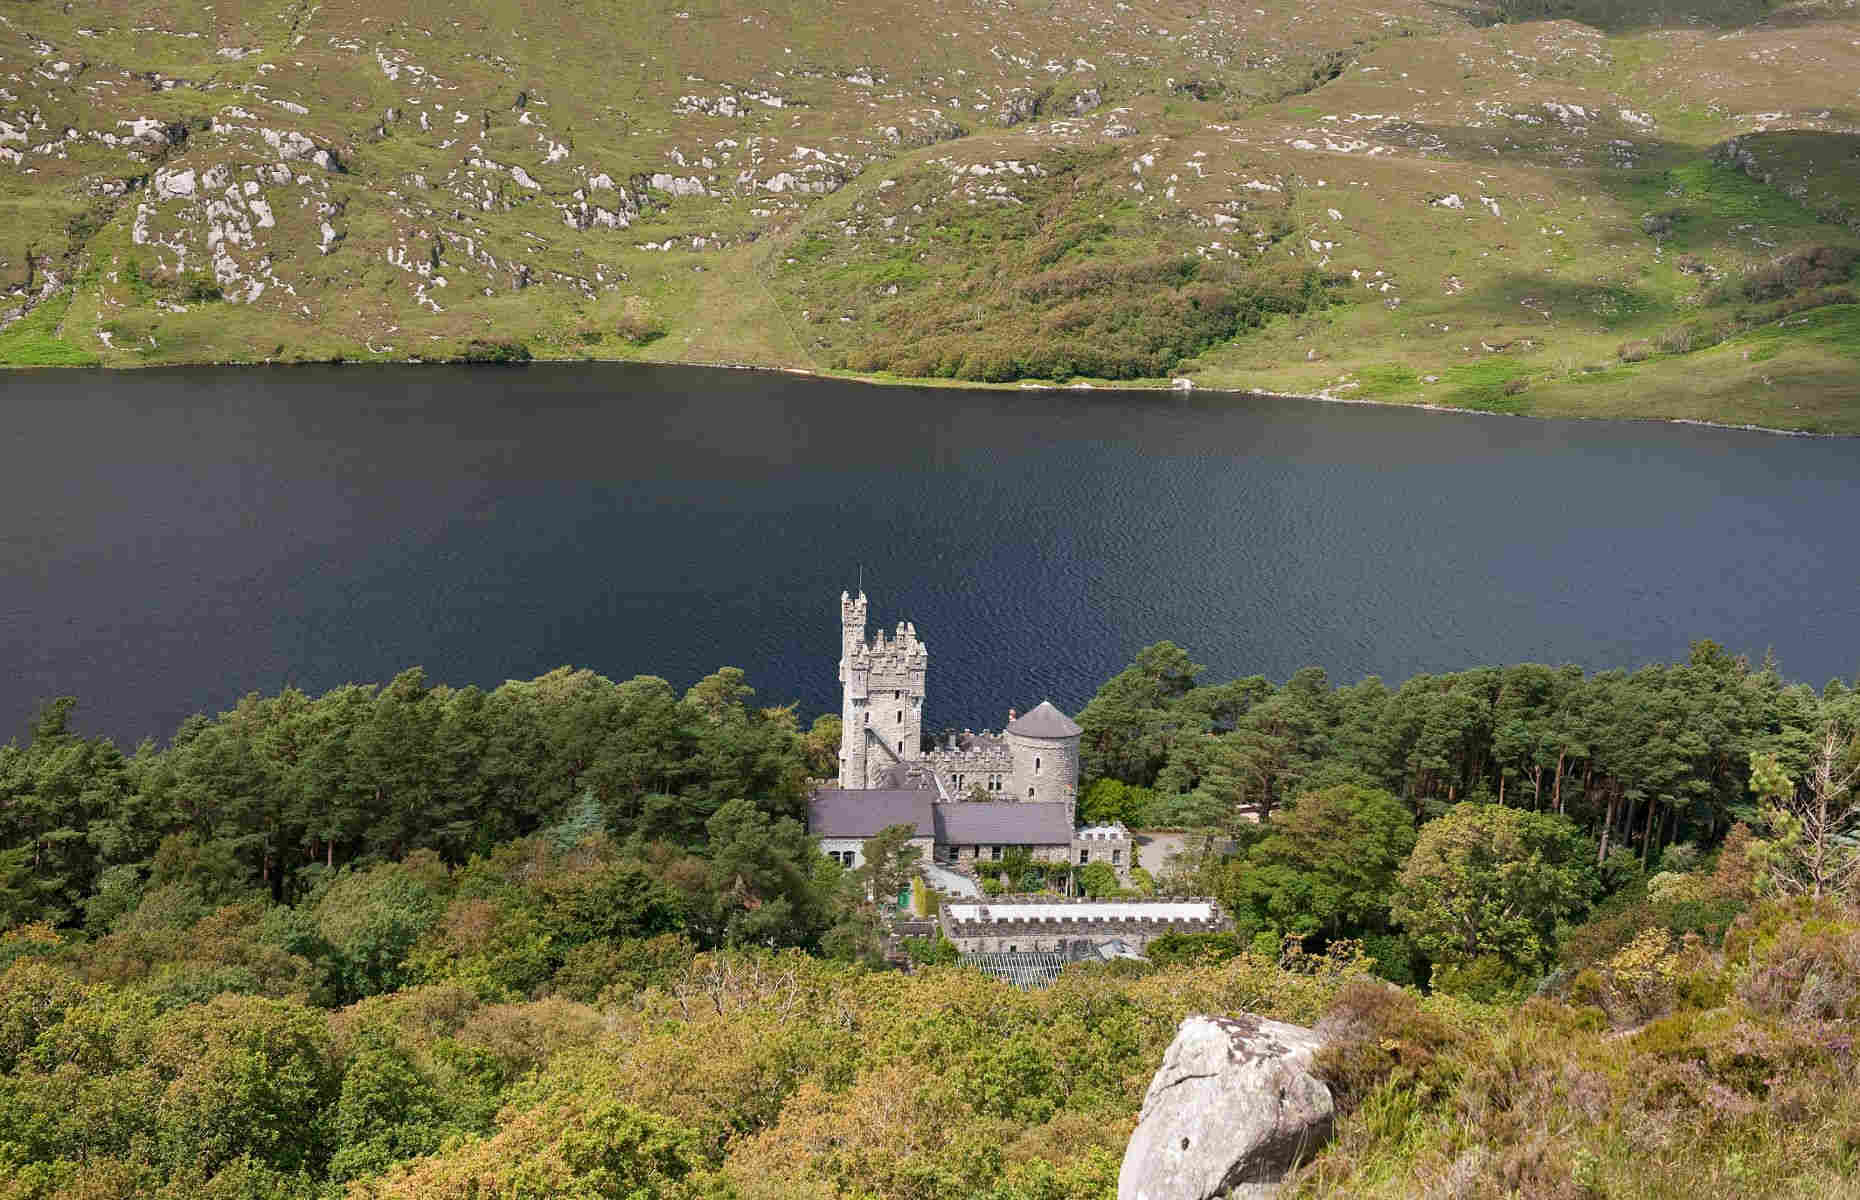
(961, 772)
(1006, 933)
(978, 856)
(882, 696)
(837, 848)
(1111, 844)
(1046, 770)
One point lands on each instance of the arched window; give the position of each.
(1030, 791)
(900, 720)
(1036, 764)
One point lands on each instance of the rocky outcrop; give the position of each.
(1232, 1109)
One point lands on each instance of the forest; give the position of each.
(568, 937)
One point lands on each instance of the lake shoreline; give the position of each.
(189, 535)
(955, 384)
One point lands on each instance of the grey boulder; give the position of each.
(1232, 1109)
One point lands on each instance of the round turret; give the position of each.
(1045, 747)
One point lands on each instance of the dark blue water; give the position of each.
(173, 539)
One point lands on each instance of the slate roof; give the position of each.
(1003, 822)
(841, 812)
(902, 776)
(1045, 722)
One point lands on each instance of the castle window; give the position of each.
(900, 720)
(1117, 856)
(1084, 857)
(1030, 791)
(1036, 764)
(900, 747)
(868, 718)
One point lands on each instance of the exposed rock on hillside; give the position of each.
(990, 190)
(1232, 1109)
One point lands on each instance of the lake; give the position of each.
(175, 538)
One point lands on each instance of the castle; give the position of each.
(1035, 759)
(972, 798)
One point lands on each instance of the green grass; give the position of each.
(1835, 328)
(33, 340)
(1379, 382)
(1559, 281)
(1486, 385)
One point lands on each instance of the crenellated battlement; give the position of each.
(882, 690)
(1034, 923)
(882, 687)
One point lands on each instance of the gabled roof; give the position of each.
(843, 812)
(903, 776)
(1045, 722)
(1003, 822)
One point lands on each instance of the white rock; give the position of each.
(1232, 1109)
(174, 184)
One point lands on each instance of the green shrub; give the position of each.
(638, 325)
(199, 287)
(1097, 880)
(1802, 270)
(1180, 948)
(1488, 979)
(1106, 321)
(1375, 1034)
(1798, 959)
(931, 951)
(1397, 960)
(480, 350)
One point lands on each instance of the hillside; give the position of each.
(568, 939)
(1553, 207)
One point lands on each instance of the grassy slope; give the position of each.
(930, 158)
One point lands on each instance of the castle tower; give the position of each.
(1045, 748)
(855, 672)
(882, 697)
